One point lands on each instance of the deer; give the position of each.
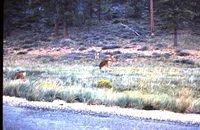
(19, 75)
(107, 61)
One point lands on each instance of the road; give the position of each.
(22, 118)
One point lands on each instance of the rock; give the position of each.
(158, 46)
(156, 55)
(22, 53)
(117, 52)
(45, 58)
(167, 55)
(184, 61)
(82, 48)
(72, 56)
(16, 49)
(110, 47)
(182, 53)
(144, 48)
(94, 102)
(28, 46)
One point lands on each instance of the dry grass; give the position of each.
(142, 84)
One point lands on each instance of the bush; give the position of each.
(130, 101)
(194, 107)
(16, 88)
(184, 99)
(104, 83)
(161, 102)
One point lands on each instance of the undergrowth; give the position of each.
(150, 88)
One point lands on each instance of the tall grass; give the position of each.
(141, 87)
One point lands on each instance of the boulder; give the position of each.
(110, 47)
(182, 53)
(184, 61)
(144, 48)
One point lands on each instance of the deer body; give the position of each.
(107, 61)
(19, 75)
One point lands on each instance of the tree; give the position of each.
(135, 10)
(195, 7)
(151, 18)
(99, 14)
(55, 5)
(7, 14)
(174, 14)
(61, 11)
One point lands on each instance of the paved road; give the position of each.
(20, 118)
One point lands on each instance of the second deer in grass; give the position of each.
(107, 61)
(19, 75)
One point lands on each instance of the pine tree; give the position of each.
(151, 18)
(174, 13)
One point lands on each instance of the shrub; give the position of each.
(195, 107)
(184, 99)
(48, 84)
(183, 104)
(130, 101)
(16, 88)
(162, 102)
(104, 83)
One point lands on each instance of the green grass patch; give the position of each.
(138, 86)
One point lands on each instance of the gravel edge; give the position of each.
(100, 110)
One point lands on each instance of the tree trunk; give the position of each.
(7, 27)
(6, 21)
(90, 14)
(175, 37)
(151, 18)
(57, 18)
(90, 7)
(56, 27)
(65, 30)
(99, 15)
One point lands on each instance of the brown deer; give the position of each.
(107, 61)
(19, 75)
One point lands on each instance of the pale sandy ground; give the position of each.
(100, 109)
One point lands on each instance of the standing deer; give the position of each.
(19, 75)
(107, 61)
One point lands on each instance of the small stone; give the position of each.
(182, 53)
(156, 55)
(167, 55)
(158, 46)
(82, 48)
(110, 47)
(22, 53)
(184, 61)
(144, 48)
(117, 52)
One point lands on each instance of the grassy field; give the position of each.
(66, 69)
(155, 85)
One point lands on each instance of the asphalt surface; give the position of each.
(22, 118)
